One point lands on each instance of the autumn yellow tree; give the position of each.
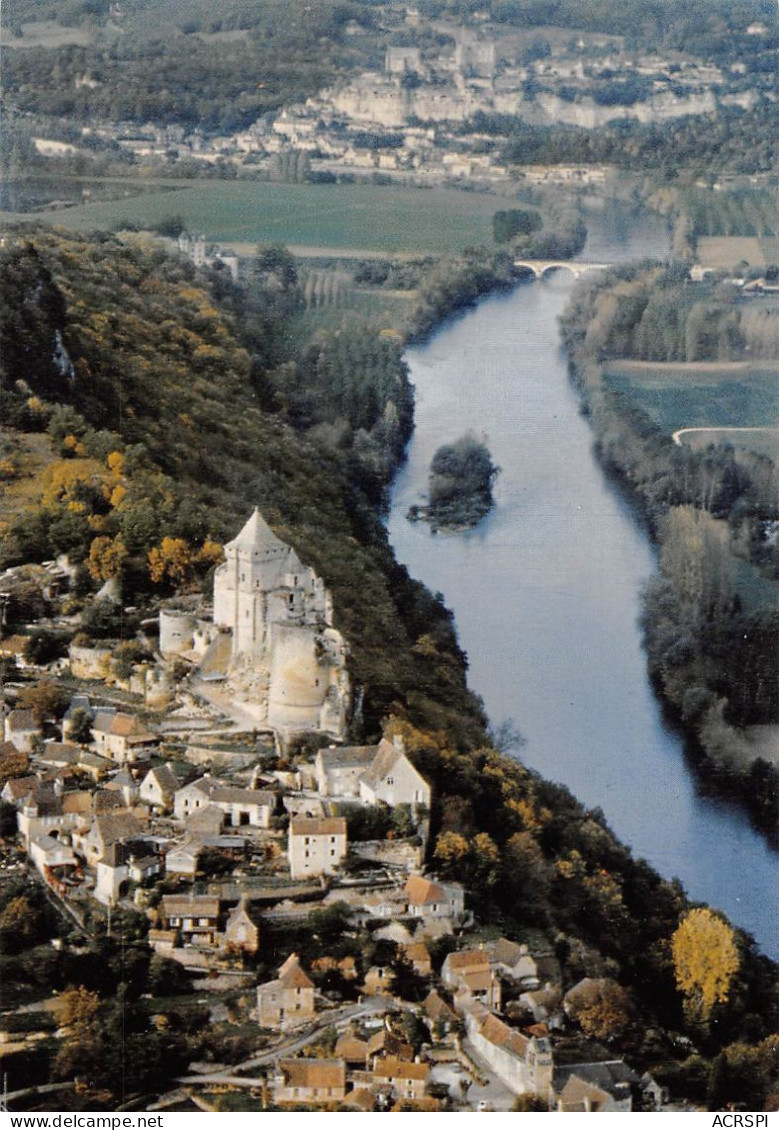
(105, 558)
(450, 850)
(705, 958)
(211, 553)
(173, 560)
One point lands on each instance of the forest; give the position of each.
(711, 616)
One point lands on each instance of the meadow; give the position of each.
(725, 395)
(359, 217)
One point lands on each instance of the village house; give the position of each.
(65, 755)
(241, 931)
(438, 1011)
(418, 956)
(387, 1043)
(21, 728)
(352, 1049)
(194, 917)
(124, 784)
(544, 1005)
(17, 788)
(606, 1086)
(159, 787)
(392, 779)
(523, 1063)
(316, 847)
(321, 1081)
(430, 899)
(182, 859)
(513, 960)
(239, 807)
(106, 829)
(12, 759)
(469, 971)
(338, 770)
(287, 1000)
(131, 861)
(121, 736)
(407, 1080)
(107, 800)
(379, 774)
(46, 810)
(378, 980)
(52, 858)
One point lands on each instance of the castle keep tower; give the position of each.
(288, 663)
(263, 583)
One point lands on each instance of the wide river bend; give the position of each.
(546, 590)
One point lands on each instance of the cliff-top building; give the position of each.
(284, 661)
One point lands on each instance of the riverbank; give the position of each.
(538, 592)
(710, 616)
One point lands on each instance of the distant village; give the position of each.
(176, 789)
(406, 122)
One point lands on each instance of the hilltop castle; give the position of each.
(271, 639)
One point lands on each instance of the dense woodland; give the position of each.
(711, 617)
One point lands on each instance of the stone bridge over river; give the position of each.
(539, 267)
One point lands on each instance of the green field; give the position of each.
(341, 217)
(700, 395)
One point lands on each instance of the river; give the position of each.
(546, 590)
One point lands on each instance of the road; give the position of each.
(338, 1017)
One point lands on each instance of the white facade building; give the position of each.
(316, 847)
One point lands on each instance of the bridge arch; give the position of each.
(540, 267)
(548, 268)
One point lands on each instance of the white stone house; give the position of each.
(379, 774)
(522, 1063)
(316, 847)
(338, 769)
(159, 787)
(392, 779)
(21, 728)
(239, 807)
(132, 861)
(48, 854)
(182, 859)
